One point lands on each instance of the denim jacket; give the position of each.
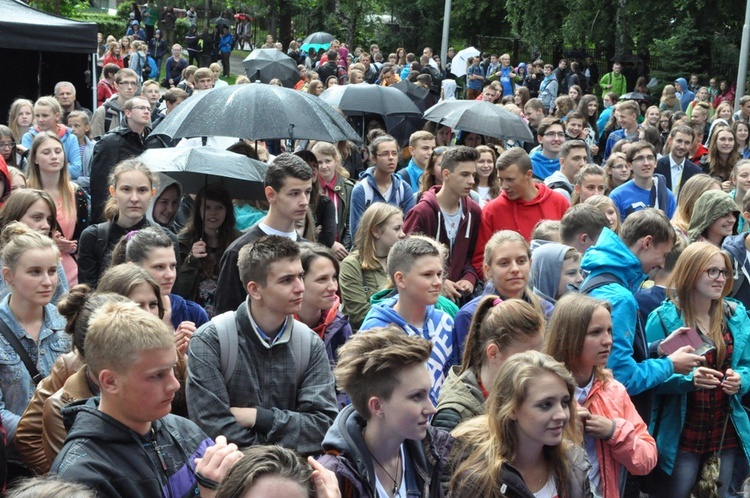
(16, 385)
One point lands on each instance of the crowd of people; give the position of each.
(462, 316)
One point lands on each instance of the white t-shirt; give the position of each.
(451, 222)
(272, 231)
(382, 493)
(549, 490)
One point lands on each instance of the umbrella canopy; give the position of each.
(481, 117)
(265, 64)
(635, 96)
(195, 167)
(357, 100)
(458, 64)
(416, 93)
(220, 21)
(256, 112)
(317, 40)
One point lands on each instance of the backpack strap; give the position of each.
(102, 236)
(598, 281)
(369, 193)
(21, 352)
(226, 329)
(561, 184)
(301, 342)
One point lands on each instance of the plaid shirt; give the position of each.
(707, 409)
(292, 415)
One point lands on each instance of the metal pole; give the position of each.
(446, 31)
(94, 80)
(742, 70)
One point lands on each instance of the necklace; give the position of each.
(395, 492)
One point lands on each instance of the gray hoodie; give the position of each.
(546, 267)
(164, 183)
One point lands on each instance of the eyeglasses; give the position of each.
(643, 159)
(552, 134)
(128, 83)
(713, 273)
(388, 154)
(141, 108)
(7, 145)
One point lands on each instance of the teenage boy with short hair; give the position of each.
(546, 159)
(448, 214)
(521, 204)
(617, 266)
(626, 114)
(572, 158)
(415, 267)
(675, 167)
(534, 112)
(127, 443)
(645, 189)
(281, 389)
(380, 183)
(204, 79)
(363, 439)
(581, 226)
(421, 145)
(288, 184)
(111, 113)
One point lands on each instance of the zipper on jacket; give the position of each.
(162, 461)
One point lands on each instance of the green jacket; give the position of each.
(460, 399)
(357, 287)
(618, 82)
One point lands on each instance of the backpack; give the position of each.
(145, 67)
(229, 346)
(561, 184)
(370, 193)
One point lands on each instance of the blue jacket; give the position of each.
(671, 399)
(438, 328)
(401, 196)
(686, 96)
(16, 385)
(70, 146)
(611, 255)
(226, 43)
(184, 310)
(412, 173)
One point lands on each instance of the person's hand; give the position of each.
(199, 250)
(675, 333)
(732, 382)
(727, 186)
(339, 250)
(21, 150)
(216, 462)
(182, 336)
(707, 378)
(450, 290)
(596, 425)
(325, 482)
(64, 245)
(594, 149)
(684, 360)
(465, 287)
(246, 417)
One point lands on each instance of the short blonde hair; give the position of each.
(119, 332)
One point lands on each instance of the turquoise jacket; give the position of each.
(671, 397)
(611, 255)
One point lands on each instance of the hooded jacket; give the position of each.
(461, 398)
(519, 215)
(686, 96)
(70, 146)
(628, 360)
(164, 183)
(437, 328)
(110, 110)
(671, 399)
(334, 330)
(542, 166)
(737, 250)
(401, 195)
(709, 207)
(546, 268)
(630, 444)
(427, 218)
(109, 457)
(346, 456)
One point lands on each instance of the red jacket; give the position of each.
(521, 216)
(5, 179)
(427, 218)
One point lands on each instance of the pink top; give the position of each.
(68, 225)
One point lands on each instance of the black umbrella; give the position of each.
(256, 112)
(635, 96)
(220, 21)
(416, 93)
(401, 127)
(357, 100)
(265, 64)
(478, 116)
(196, 167)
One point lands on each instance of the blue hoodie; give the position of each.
(401, 195)
(611, 255)
(438, 328)
(542, 166)
(412, 173)
(686, 96)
